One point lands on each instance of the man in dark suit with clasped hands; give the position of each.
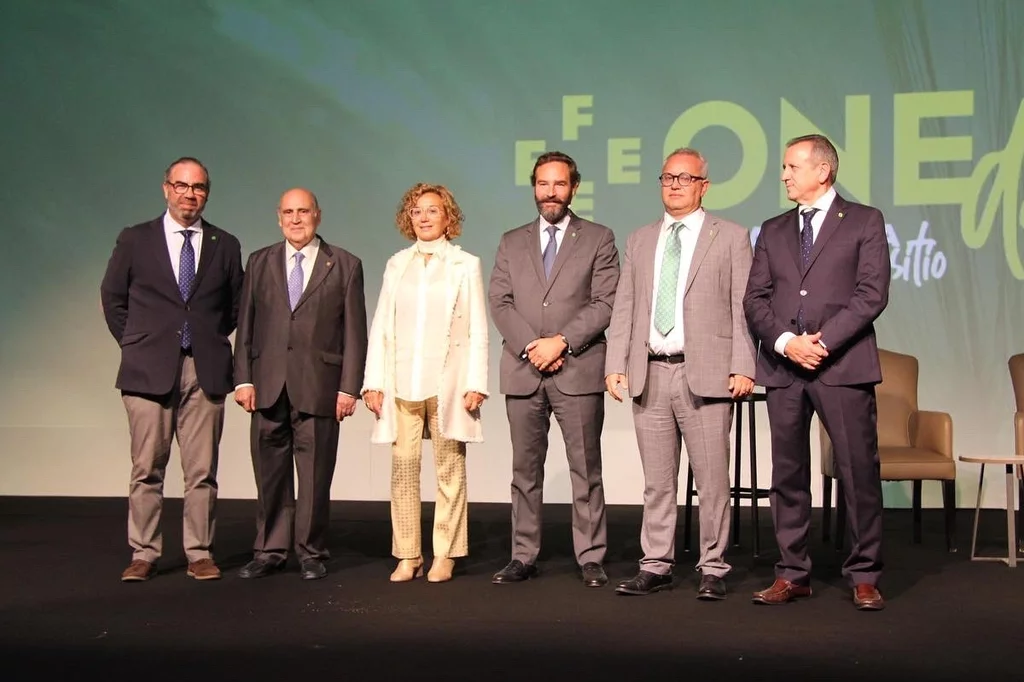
(300, 352)
(551, 295)
(819, 280)
(170, 298)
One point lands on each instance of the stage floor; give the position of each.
(63, 609)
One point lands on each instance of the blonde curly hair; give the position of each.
(451, 209)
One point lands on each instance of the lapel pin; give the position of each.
(840, 215)
(328, 263)
(573, 234)
(213, 238)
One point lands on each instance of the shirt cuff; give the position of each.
(780, 343)
(242, 386)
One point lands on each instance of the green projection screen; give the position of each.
(358, 100)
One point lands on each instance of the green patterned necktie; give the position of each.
(668, 283)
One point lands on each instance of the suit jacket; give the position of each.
(465, 347)
(145, 312)
(575, 302)
(317, 350)
(716, 335)
(843, 291)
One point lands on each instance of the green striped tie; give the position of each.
(668, 283)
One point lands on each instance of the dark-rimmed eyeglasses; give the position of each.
(666, 179)
(199, 188)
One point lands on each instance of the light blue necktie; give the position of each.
(295, 282)
(186, 278)
(549, 251)
(668, 282)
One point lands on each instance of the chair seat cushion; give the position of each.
(911, 464)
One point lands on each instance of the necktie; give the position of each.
(186, 278)
(668, 283)
(550, 250)
(806, 245)
(295, 282)
(807, 236)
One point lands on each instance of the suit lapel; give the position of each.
(278, 282)
(162, 254)
(828, 228)
(791, 237)
(206, 253)
(533, 248)
(565, 249)
(321, 268)
(647, 252)
(707, 234)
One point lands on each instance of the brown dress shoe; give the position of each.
(867, 598)
(780, 592)
(204, 569)
(137, 571)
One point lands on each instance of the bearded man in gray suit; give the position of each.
(679, 344)
(551, 296)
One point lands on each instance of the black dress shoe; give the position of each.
(258, 568)
(313, 569)
(515, 572)
(645, 582)
(712, 588)
(594, 575)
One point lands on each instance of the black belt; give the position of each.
(674, 359)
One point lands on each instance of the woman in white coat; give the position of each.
(426, 375)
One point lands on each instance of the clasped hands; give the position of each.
(547, 353)
(374, 401)
(345, 406)
(806, 350)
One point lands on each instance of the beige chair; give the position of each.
(1017, 379)
(913, 445)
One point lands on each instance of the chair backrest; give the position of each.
(1017, 379)
(896, 397)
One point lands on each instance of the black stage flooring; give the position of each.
(64, 611)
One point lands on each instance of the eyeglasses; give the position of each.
(684, 179)
(199, 188)
(432, 212)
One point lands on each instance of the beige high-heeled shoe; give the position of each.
(407, 570)
(441, 570)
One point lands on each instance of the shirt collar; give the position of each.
(307, 251)
(560, 225)
(690, 221)
(823, 203)
(171, 226)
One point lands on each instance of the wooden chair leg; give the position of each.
(688, 514)
(949, 503)
(917, 512)
(826, 508)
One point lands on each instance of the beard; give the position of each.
(552, 212)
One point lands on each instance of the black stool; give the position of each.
(738, 492)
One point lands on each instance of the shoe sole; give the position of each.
(510, 582)
(192, 575)
(639, 593)
(763, 602)
(868, 607)
(135, 578)
(705, 596)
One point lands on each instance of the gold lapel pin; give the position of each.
(213, 238)
(573, 234)
(328, 263)
(840, 215)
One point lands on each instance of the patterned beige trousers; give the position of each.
(451, 534)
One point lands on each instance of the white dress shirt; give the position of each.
(674, 342)
(420, 300)
(175, 241)
(823, 204)
(309, 253)
(560, 226)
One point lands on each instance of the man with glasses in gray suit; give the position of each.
(678, 343)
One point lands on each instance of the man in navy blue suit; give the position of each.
(170, 298)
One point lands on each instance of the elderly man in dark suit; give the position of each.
(300, 352)
(170, 297)
(551, 295)
(819, 280)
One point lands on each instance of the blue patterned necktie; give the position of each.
(186, 278)
(549, 251)
(668, 282)
(295, 282)
(806, 246)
